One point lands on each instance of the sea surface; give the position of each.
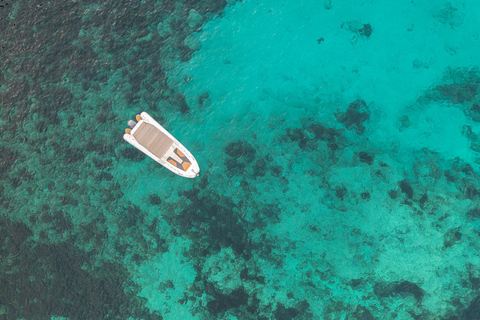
(338, 141)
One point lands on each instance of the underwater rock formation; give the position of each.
(68, 63)
(458, 92)
(226, 230)
(473, 310)
(194, 18)
(474, 112)
(449, 15)
(133, 155)
(241, 161)
(240, 149)
(365, 157)
(308, 135)
(223, 302)
(388, 289)
(282, 313)
(406, 188)
(7, 159)
(460, 87)
(44, 280)
(355, 116)
(358, 28)
(361, 313)
(280, 224)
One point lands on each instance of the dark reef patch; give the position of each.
(260, 168)
(406, 188)
(361, 313)
(282, 313)
(67, 200)
(276, 171)
(240, 149)
(211, 220)
(474, 213)
(341, 192)
(269, 213)
(366, 158)
(323, 133)
(53, 80)
(207, 6)
(474, 112)
(241, 160)
(53, 100)
(470, 192)
(133, 154)
(448, 15)
(186, 53)
(355, 116)
(460, 86)
(155, 200)
(359, 29)
(72, 155)
(92, 232)
(365, 196)
(463, 176)
(203, 100)
(102, 164)
(458, 93)
(234, 167)
(389, 289)
(182, 103)
(366, 30)
(423, 199)
(308, 136)
(473, 310)
(452, 237)
(223, 302)
(214, 222)
(45, 280)
(245, 275)
(7, 159)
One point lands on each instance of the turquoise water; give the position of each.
(338, 143)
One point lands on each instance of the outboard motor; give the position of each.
(131, 124)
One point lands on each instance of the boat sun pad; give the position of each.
(153, 139)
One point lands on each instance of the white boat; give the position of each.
(148, 136)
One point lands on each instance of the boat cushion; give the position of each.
(153, 139)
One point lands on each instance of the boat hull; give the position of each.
(193, 169)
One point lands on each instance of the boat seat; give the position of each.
(153, 139)
(179, 160)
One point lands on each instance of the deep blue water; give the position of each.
(338, 143)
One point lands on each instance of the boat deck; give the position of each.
(153, 139)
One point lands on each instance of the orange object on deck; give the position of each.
(173, 162)
(138, 118)
(129, 131)
(186, 165)
(179, 153)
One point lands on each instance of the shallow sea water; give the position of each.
(338, 143)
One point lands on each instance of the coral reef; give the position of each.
(324, 193)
